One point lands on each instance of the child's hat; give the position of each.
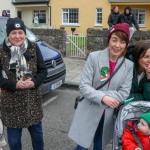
(124, 27)
(146, 117)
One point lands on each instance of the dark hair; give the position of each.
(122, 36)
(114, 7)
(129, 8)
(139, 51)
(4, 11)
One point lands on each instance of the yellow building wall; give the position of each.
(87, 13)
(146, 7)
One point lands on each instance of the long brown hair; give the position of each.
(139, 51)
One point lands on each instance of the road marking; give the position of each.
(49, 101)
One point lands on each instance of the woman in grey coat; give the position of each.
(93, 119)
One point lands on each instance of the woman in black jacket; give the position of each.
(129, 17)
(113, 17)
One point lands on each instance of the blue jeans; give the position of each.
(14, 137)
(97, 137)
(78, 147)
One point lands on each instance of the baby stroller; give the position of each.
(126, 112)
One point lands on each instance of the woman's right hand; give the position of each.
(111, 102)
(25, 84)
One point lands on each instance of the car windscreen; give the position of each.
(2, 30)
(30, 35)
(3, 22)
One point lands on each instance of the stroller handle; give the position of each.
(121, 104)
(126, 102)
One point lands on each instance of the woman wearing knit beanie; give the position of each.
(93, 119)
(22, 71)
(141, 129)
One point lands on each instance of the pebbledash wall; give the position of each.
(96, 39)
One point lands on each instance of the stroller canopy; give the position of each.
(131, 110)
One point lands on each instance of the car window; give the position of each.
(30, 35)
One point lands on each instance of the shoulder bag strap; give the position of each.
(136, 138)
(108, 78)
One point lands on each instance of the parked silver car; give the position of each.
(53, 59)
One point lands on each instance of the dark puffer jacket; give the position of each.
(113, 19)
(129, 18)
(21, 108)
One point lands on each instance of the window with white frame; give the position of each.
(41, 15)
(70, 16)
(140, 14)
(99, 16)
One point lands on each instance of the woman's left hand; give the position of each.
(110, 101)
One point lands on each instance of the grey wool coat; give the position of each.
(89, 111)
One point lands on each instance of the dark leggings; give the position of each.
(98, 135)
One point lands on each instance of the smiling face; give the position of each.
(17, 37)
(144, 127)
(116, 9)
(144, 61)
(127, 11)
(116, 46)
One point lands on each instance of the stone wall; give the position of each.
(55, 37)
(97, 39)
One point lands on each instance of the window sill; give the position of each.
(70, 24)
(142, 26)
(98, 25)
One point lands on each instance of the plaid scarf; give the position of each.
(17, 60)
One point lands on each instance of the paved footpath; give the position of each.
(74, 68)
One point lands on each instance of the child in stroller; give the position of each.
(129, 113)
(136, 135)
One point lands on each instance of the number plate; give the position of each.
(56, 85)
